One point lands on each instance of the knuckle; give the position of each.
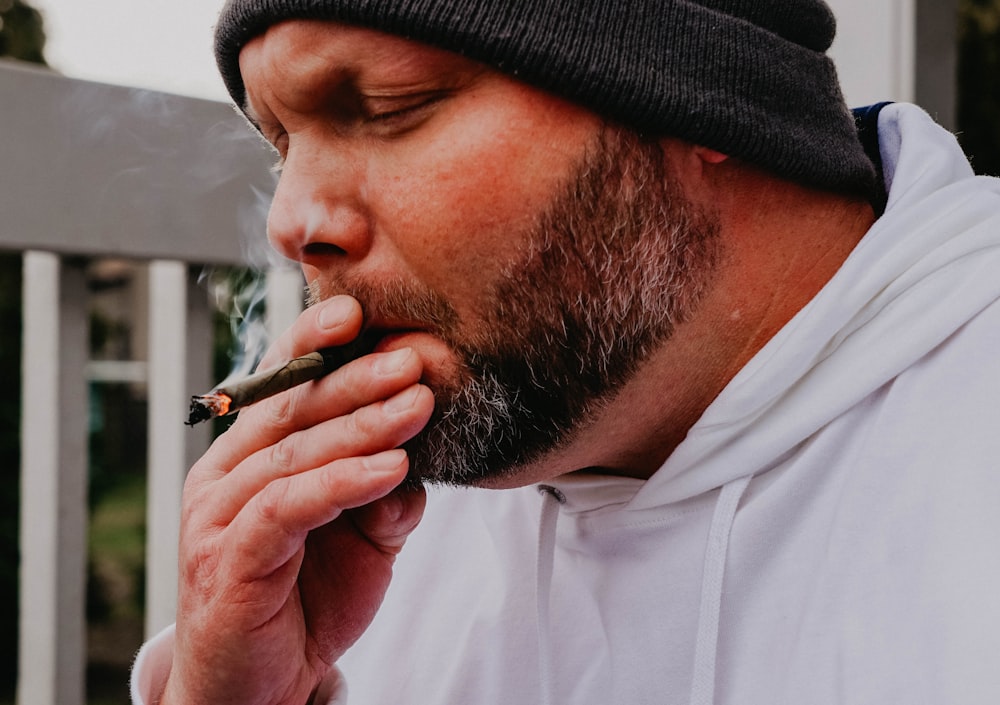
(269, 502)
(367, 422)
(199, 564)
(331, 480)
(281, 455)
(192, 498)
(280, 409)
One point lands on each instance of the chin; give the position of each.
(440, 456)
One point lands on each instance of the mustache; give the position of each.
(393, 300)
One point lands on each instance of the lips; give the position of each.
(392, 337)
(393, 340)
(442, 366)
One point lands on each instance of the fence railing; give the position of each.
(87, 171)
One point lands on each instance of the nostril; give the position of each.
(323, 249)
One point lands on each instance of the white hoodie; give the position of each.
(828, 532)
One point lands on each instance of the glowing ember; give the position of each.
(208, 406)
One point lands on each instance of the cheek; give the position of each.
(465, 212)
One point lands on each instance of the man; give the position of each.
(627, 254)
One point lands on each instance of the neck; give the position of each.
(781, 244)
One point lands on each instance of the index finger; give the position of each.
(332, 322)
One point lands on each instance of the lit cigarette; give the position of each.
(230, 398)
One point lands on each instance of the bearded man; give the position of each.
(635, 256)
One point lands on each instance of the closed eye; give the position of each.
(399, 113)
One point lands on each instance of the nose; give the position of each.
(318, 213)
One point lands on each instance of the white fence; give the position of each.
(86, 171)
(89, 170)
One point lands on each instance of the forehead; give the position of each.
(308, 52)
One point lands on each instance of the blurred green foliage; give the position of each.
(22, 35)
(10, 382)
(978, 109)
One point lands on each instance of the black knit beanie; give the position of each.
(749, 78)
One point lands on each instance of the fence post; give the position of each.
(179, 363)
(53, 482)
(285, 298)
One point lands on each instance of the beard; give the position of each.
(617, 259)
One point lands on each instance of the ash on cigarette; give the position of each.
(206, 407)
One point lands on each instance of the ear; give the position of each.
(708, 171)
(710, 156)
(701, 170)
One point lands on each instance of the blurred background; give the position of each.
(167, 47)
(151, 45)
(145, 43)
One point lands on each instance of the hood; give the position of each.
(866, 326)
(893, 301)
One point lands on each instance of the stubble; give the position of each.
(613, 264)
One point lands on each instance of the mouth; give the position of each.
(389, 337)
(441, 364)
(393, 340)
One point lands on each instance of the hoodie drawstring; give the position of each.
(716, 552)
(543, 585)
(706, 648)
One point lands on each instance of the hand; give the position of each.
(291, 521)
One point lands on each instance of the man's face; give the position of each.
(532, 255)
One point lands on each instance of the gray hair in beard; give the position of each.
(616, 260)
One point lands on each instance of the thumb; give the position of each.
(387, 521)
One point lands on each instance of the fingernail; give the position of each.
(388, 363)
(386, 462)
(402, 401)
